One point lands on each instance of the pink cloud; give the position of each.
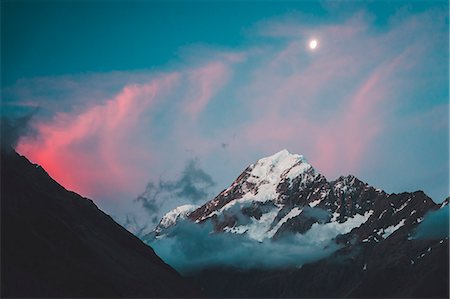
(342, 144)
(206, 80)
(104, 149)
(90, 152)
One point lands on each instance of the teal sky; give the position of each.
(48, 38)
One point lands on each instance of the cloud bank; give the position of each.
(190, 247)
(435, 225)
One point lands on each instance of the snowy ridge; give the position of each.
(170, 218)
(282, 165)
(331, 229)
(260, 181)
(267, 174)
(391, 229)
(282, 194)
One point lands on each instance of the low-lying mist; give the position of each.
(190, 247)
(435, 225)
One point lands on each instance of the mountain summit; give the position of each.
(284, 193)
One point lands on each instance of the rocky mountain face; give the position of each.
(55, 243)
(378, 254)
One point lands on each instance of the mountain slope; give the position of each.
(395, 267)
(283, 194)
(282, 199)
(55, 243)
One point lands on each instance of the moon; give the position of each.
(313, 44)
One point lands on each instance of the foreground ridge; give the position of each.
(58, 244)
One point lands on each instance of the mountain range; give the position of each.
(280, 230)
(371, 241)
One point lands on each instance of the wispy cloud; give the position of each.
(192, 186)
(338, 105)
(208, 80)
(89, 151)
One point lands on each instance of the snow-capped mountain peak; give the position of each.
(282, 194)
(282, 165)
(265, 187)
(262, 183)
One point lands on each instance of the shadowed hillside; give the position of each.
(55, 243)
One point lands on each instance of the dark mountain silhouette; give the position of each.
(55, 243)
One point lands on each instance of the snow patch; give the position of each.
(292, 213)
(236, 229)
(402, 206)
(258, 228)
(315, 203)
(391, 229)
(180, 212)
(381, 215)
(297, 170)
(327, 231)
(334, 216)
